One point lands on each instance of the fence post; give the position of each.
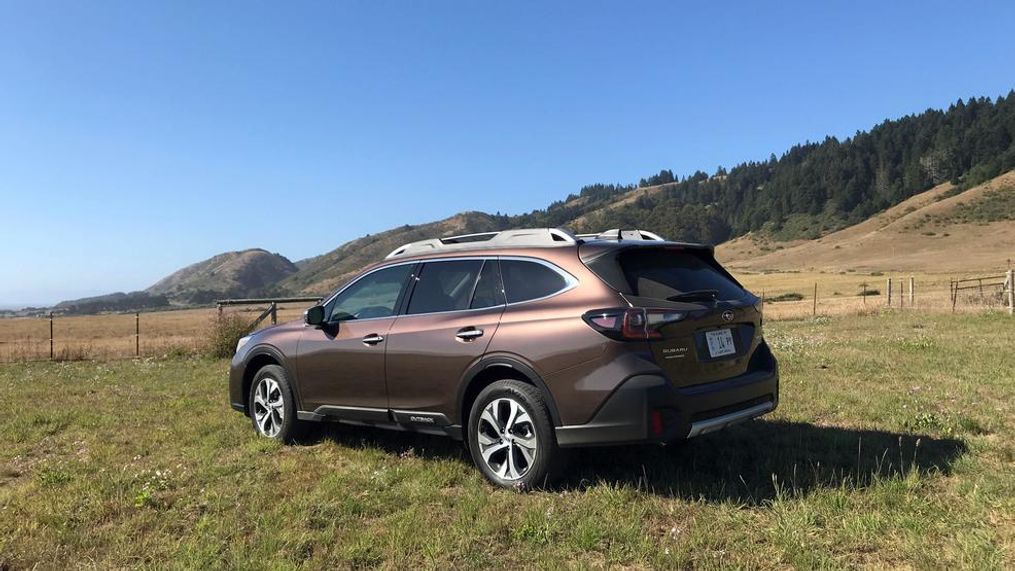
(1011, 292)
(912, 294)
(51, 354)
(137, 334)
(889, 289)
(814, 310)
(274, 313)
(902, 293)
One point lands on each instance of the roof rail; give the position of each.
(519, 238)
(621, 234)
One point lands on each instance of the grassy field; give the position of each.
(892, 447)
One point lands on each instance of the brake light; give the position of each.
(632, 324)
(657, 423)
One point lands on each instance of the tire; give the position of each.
(278, 419)
(511, 437)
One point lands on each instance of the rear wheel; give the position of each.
(510, 436)
(272, 406)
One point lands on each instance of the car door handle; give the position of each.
(372, 339)
(469, 333)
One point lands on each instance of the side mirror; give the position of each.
(314, 316)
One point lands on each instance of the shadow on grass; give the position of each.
(395, 442)
(758, 461)
(750, 463)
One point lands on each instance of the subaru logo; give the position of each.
(727, 315)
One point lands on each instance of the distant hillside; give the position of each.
(324, 273)
(232, 274)
(813, 188)
(938, 230)
(114, 302)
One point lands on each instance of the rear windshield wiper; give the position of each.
(698, 294)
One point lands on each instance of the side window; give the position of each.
(444, 286)
(374, 295)
(528, 280)
(490, 289)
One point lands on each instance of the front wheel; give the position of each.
(511, 437)
(272, 406)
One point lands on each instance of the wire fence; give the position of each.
(117, 336)
(180, 332)
(877, 293)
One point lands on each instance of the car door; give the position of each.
(341, 363)
(453, 311)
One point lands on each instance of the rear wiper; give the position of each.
(698, 294)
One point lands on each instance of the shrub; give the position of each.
(791, 296)
(224, 332)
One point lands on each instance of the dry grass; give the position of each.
(112, 335)
(839, 292)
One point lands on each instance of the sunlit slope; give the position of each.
(933, 231)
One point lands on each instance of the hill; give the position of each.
(811, 189)
(938, 230)
(232, 274)
(114, 302)
(324, 273)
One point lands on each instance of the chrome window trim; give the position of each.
(570, 282)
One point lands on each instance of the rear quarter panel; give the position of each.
(580, 367)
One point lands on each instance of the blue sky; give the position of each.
(138, 137)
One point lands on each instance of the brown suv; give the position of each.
(520, 342)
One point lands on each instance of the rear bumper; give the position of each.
(648, 408)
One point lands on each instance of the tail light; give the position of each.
(632, 324)
(656, 422)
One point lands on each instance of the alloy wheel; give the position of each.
(269, 407)
(507, 438)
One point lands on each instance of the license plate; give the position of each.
(720, 343)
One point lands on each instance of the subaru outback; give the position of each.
(521, 343)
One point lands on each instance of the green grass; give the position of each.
(892, 446)
(993, 206)
(789, 296)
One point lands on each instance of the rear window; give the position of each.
(665, 274)
(524, 281)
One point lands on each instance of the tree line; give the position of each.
(813, 188)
